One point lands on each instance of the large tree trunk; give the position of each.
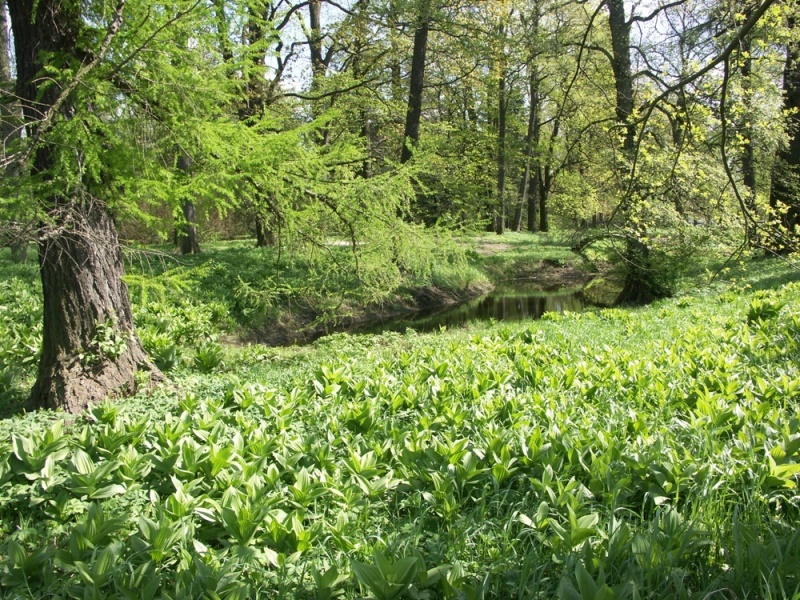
(748, 149)
(80, 259)
(621, 65)
(640, 282)
(265, 232)
(417, 79)
(81, 271)
(188, 230)
(783, 199)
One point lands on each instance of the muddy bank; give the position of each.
(303, 328)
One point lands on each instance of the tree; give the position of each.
(784, 197)
(416, 79)
(81, 266)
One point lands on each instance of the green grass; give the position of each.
(514, 255)
(648, 453)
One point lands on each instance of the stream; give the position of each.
(507, 302)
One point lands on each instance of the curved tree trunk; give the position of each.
(79, 255)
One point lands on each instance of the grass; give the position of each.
(647, 453)
(515, 255)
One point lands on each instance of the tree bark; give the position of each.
(530, 187)
(621, 65)
(187, 231)
(640, 285)
(265, 232)
(80, 259)
(417, 79)
(544, 179)
(502, 109)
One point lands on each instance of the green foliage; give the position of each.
(525, 460)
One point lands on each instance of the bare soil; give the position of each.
(489, 248)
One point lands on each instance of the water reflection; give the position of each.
(503, 304)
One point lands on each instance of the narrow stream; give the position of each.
(517, 302)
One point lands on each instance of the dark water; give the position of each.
(506, 303)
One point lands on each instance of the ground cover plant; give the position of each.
(649, 453)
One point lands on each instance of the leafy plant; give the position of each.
(208, 357)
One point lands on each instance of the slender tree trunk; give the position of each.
(783, 199)
(544, 179)
(530, 187)
(10, 131)
(315, 41)
(502, 109)
(748, 152)
(80, 259)
(416, 83)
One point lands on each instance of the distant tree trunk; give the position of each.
(530, 186)
(9, 130)
(748, 149)
(783, 199)
(265, 232)
(416, 83)
(80, 259)
(502, 109)
(188, 235)
(315, 41)
(544, 179)
(187, 231)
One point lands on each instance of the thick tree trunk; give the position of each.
(621, 65)
(640, 285)
(318, 67)
(81, 270)
(748, 149)
(417, 79)
(543, 182)
(79, 255)
(783, 199)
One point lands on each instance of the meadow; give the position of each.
(615, 453)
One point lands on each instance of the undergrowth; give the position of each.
(650, 453)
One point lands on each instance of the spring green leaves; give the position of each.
(601, 455)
